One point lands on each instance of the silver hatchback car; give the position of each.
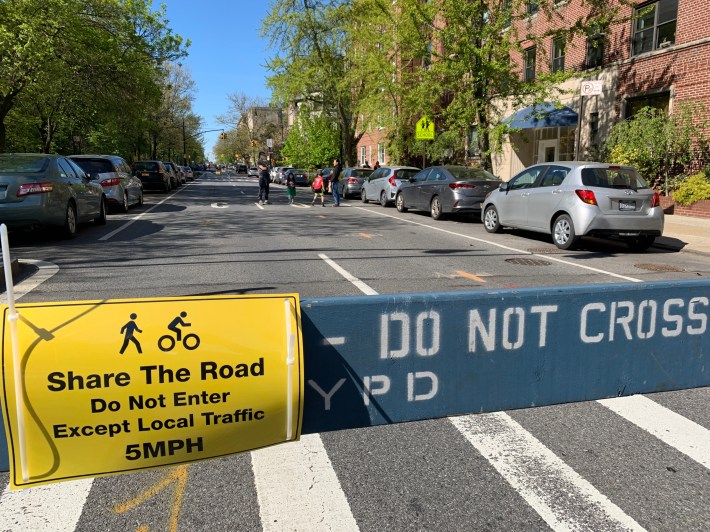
(121, 187)
(382, 184)
(569, 200)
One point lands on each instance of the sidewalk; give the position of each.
(685, 233)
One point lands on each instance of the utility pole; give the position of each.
(184, 144)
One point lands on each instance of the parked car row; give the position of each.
(42, 190)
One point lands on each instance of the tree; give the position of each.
(451, 61)
(90, 47)
(312, 141)
(312, 63)
(661, 145)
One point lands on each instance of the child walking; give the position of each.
(291, 187)
(318, 190)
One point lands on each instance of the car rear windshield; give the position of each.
(361, 173)
(25, 164)
(94, 166)
(622, 178)
(148, 166)
(405, 173)
(472, 173)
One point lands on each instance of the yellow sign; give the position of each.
(424, 129)
(123, 385)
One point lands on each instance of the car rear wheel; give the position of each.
(435, 208)
(140, 198)
(491, 221)
(363, 196)
(124, 205)
(383, 199)
(101, 218)
(399, 202)
(70, 223)
(166, 186)
(563, 232)
(640, 243)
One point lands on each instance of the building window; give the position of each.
(381, 152)
(363, 155)
(594, 129)
(507, 11)
(595, 52)
(529, 63)
(532, 6)
(654, 25)
(659, 100)
(558, 54)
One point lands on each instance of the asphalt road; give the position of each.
(629, 463)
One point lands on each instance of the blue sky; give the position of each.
(227, 53)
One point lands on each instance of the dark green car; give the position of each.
(38, 190)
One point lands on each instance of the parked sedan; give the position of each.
(112, 172)
(569, 200)
(48, 190)
(189, 174)
(253, 172)
(351, 180)
(154, 175)
(443, 190)
(382, 184)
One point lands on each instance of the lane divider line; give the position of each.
(363, 287)
(130, 222)
(508, 248)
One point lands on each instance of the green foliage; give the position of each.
(695, 188)
(312, 142)
(658, 144)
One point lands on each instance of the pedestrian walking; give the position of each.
(291, 186)
(263, 183)
(377, 165)
(318, 190)
(334, 179)
(366, 165)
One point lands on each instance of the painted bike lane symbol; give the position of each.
(190, 341)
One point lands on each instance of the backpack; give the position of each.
(318, 183)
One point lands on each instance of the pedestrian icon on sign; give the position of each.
(127, 330)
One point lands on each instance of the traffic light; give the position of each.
(223, 136)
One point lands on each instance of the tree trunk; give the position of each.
(6, 104)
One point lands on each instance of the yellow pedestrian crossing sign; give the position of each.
(425, 129)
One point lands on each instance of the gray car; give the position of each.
(569, 200)
(382, 184)
(443, 190)
(351, 180)
(121, 187)
(48, 190)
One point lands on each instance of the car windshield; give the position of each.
(462, 172)
(94, 166)
(405, 173)
(25, 164)
(148, 166)
(613, 177)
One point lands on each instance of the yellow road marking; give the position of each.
(364, 235)
(470, 276)
(179, 477)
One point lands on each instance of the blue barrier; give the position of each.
(388, 359)
(375, 360)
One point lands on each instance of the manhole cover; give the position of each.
(528, 262)
(659, 267)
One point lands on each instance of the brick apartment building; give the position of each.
(658, 56)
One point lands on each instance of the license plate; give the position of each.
(145, 174)
(627, 205)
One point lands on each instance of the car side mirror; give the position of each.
(504, 187)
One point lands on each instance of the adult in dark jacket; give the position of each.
(263, 183)
(334, 178)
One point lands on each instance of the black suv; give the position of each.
(154, 175)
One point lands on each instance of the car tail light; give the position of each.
(587, 196)
(392, 180)
(352, 180)
(34, 188)
(454, 186)
(111, 182)
(656, 201)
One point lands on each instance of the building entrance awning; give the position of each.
(542, 115)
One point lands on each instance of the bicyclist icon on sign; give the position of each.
(190, 341)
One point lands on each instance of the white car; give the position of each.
(253, 171)
(382, 184)
(571, 199)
